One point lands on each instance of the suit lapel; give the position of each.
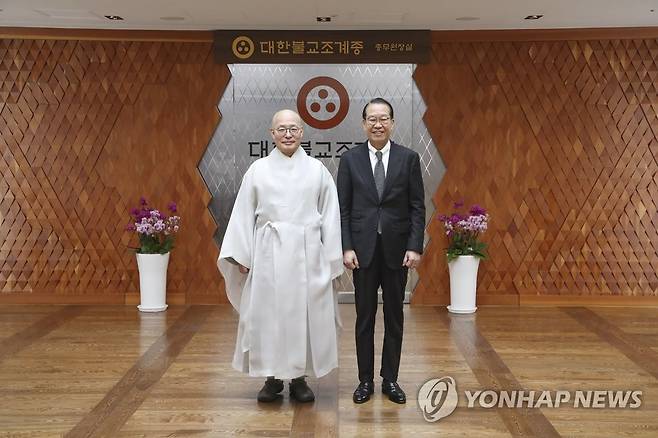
(394, 165)
(366, 169)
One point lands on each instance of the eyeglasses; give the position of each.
(293, 130)
(372, 120)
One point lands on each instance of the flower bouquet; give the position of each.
(463, 231)
(156, 230)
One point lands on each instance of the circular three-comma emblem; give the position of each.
(311, 101)
(243, 47)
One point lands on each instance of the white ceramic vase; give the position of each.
(463, 284)
(152, 281)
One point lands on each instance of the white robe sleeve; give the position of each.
(238, 243)
(332, 246)
(330, 231)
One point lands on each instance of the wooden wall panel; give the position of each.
(87, 127)
(559, 140)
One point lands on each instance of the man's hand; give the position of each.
(243, 269)
(411, 259)
(349, 259)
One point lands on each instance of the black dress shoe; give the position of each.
(300, 391)
(270, 390)
(363, 392)
(394, 392)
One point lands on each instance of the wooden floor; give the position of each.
(111, 371)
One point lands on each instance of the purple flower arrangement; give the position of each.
(156, 230)
(463, 231)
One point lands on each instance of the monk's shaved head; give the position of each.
(287, 115)
(287, 131)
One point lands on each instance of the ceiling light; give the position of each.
(113, 17)
(533, 17)
(323, 19)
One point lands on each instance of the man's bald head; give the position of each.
(286, 115)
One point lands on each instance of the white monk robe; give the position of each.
(285, 227)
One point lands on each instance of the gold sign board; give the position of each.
(322, 47)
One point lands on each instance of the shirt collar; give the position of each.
(383, 150)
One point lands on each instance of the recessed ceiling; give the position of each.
(346, 14)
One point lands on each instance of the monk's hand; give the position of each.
(243, 269)
(411, 259)
(349, 259)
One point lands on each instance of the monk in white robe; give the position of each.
(281, 250)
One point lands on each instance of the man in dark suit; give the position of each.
(382, 208)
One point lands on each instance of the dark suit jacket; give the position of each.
(402, 208)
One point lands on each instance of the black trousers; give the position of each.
(366, 283)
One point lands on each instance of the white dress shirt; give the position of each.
(373, 158)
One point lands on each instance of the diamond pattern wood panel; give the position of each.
(559, 140)
(87, 128)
